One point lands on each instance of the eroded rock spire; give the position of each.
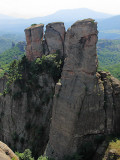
(39, 43)
(76, 103)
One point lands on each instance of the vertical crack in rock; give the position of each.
(53, 42)
(105, 103)
(54, 36)
(62, 39)
(45, 48)
(114, 110)
(116, 104)
(109, 102)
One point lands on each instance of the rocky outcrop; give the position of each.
(39, 43)
(54, 36)
(25, 115)
(6, 153)
(85, 103)
(34, 37)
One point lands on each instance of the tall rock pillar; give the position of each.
(34, 38)
(76, 102)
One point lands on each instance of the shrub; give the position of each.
(33, 24)
(44, 158)
(26, 73)
(26, 155)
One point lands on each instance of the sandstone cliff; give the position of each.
(25, 115)
(86, 103)
(6, 153)
(34, 37)
(39, 43)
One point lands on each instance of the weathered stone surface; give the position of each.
(6, 153)
(52, 42)
(25, 119)
(54, 35)
(79, 106)
(111, 102)
(34, 38)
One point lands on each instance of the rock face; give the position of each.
(25, 116)
(39, 43)
(34, 37)
(6, 153)
(54, 35)
(87, 103)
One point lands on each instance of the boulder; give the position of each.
(6, 153)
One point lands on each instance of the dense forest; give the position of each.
(16, 52)
(109, 56)
(6, 41)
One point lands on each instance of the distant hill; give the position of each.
(108, 25)
(6, 40)
(109, 28)
(68, 16)
(72, 15)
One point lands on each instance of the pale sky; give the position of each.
(38, 8)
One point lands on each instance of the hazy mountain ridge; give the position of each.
(68, 16)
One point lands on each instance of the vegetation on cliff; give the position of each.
(15, 53)
(33, 80)
(109, 56)
(111, 145)
(27, 155)
(26, 73)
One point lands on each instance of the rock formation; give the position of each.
(54, 36)
(6, 153)
(34, 37)
(39, 44)
(86, 103)
(25, 115)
